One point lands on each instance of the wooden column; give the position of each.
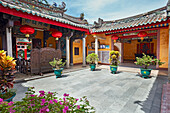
(158, 47)
(122, 50)
(67, 52)
(96, 47)
(112, 44)
(71, 51)
(84, 51)
(169, 58)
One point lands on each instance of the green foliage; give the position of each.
(92, 58)
(47, 102)
(114, 58)
(147, 60)
(57, 63)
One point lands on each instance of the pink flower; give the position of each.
(77, 99)
(61, 103)
(78, 106)
(43, 100)
(32, 95)
(10, 103)
(64, 99)
(50, 93)
(1, 100)
(65, 94)
(42, 104)
(65, 109)
(47, 110)
(41, 95)
(56, 101)
(51, 102)
(42, 92)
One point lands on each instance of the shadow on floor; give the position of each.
(98, 69)
(152, 104)
(144, 77)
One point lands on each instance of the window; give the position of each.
(76, 51)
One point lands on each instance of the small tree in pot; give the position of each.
(56, 65)
(114, 60)
(146, 61)
(91, 59)
(7, 65)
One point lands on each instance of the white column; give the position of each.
(96, 48)
(84, 51)
(169, 59)
(9, 40)
(67, 52)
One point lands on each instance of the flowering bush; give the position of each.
(7, 65)
(47, 102)
(92, 58)
(147, 60)
(114, 58)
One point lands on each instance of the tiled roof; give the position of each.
(56, 15)
(155, 16)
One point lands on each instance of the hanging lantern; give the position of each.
(142, 34)
(57, 34)
(115, 37)
(27, 30)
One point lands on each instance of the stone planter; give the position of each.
(58, 72)
(146, 72)
(11, 98)
(92, 67)
(113, 69)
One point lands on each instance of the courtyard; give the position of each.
(124, 92)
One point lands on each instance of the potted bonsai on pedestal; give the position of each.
(7, 65)
(56, 65)
(114, 60)
(91, 59)
(146, 61)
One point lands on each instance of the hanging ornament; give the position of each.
(57, 34)
(114, 38)
(27, 30)
(142, 34)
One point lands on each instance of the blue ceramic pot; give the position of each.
(11, 98)
(145, 72)
(58, 72)
(92, 67)
(113, 69)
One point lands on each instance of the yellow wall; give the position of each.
(131, 49)
(39, 35)
(107, 41)
(0, 43)
(51, 40)
(164, 41)
(78, 58)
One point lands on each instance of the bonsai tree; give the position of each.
(57, 63)
(147, 60)
(114, 58)
(7, 65)
(92, 58)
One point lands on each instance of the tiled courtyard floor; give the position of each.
(125, 92)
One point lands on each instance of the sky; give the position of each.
(109, 9)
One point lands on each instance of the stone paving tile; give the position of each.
(124, 92)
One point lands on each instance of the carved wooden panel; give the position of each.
(35, 60)
(47, 55)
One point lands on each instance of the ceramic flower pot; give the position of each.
(11, 98)
(145, 72)
(92, 67)
(58, 72)
(113, 69)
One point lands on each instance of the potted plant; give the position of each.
(91, 59)
(114, 60)
(44, 102)
(7, 65)
(56, 65)
(146, 61)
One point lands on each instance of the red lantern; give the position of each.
(115, 37)
(142, 34)
(57, 34)
(26, 29)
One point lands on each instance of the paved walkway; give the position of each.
(125, 92)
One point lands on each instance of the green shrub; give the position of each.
(57, 63)
(147, 60)
(92, 58)
(114, 58)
